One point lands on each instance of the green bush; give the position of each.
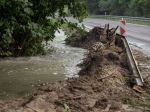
(24, 26)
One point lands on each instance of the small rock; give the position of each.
(91, 102)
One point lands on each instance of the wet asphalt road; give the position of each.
(139, 35)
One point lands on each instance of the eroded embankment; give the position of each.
(102, 85)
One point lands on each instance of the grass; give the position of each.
(147, 23)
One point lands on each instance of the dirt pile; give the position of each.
(102, 85)
(77, 40)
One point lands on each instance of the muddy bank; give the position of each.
(102, 86)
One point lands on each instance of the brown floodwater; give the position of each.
(20, 76)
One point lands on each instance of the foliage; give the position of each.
(75, 33)
(120, 7)
(26, 24)
(92, 6)
(71, 28)
(139, 8)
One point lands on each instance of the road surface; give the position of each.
(138, 35)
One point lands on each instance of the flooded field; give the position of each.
(20, 76)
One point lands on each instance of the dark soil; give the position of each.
(102, 85)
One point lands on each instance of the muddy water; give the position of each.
(20, 76)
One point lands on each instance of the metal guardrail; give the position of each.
(132, 64)
(125, 17)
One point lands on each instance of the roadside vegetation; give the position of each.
(26, 25)
(138, 8)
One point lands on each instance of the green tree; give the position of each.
(114, 7)
(24, 26)
(92, 6)
(105, 6)
(139, 8)
(120, 7)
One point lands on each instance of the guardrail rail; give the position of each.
(133, 64)
(129, 19)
